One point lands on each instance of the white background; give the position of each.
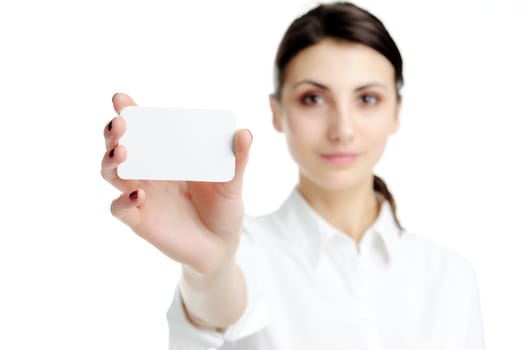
(73, 277)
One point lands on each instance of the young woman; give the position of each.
(332, 268)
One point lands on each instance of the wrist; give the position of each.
(225, 268)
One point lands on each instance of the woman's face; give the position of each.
(337, 109)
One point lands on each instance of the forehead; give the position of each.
(340, 63)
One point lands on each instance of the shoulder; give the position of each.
(263, 227)
(265, 236)
(257, 231)
(437, 260)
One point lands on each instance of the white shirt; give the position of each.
(310, 286)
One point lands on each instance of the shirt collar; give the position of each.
(311, 233)
(386, 228)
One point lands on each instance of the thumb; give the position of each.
(242, 143)
(121, 100)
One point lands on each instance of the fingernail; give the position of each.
(134, 195)
(251, 137)
(112, 153)
(109, 125)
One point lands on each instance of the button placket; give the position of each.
(363, 301)
(344, 257)
(360, 280)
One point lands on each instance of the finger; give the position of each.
(127, 208)
(117, 126)
(109, 164)
(121, 100)
(242, 143)
(113, 131)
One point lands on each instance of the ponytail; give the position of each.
(380, 186)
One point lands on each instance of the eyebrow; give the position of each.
(326, 88)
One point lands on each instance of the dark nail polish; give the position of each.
(134, 195)
(112, 153)
(109, 125)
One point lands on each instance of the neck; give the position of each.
(352, 210)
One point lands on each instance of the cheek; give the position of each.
(302, 136)
(299, 138)
(303, 128)
(376, 143)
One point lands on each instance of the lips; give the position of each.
(341, 158)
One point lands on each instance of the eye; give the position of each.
(311, 99)
(369, 99)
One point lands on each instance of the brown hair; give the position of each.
(347, 22)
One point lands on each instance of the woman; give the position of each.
(332, 268)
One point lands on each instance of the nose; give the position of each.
(341, 127)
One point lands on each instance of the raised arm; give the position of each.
(195, 223)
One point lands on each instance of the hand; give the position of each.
(195, 223)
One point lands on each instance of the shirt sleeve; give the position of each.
(185, 336)
(464, 326)
(475, 339)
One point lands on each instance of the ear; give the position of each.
(396, 124)
(274, 107)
